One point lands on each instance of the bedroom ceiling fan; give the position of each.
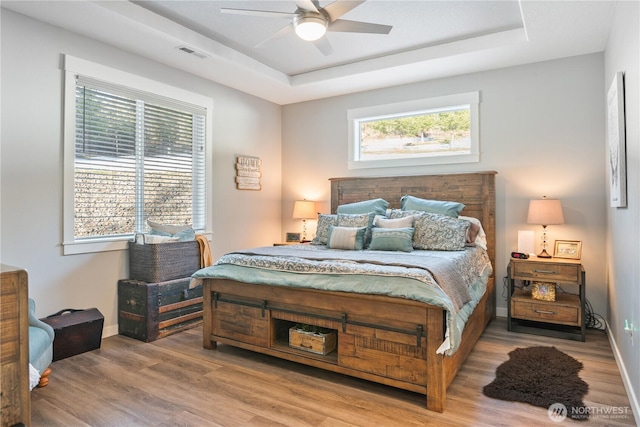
(310, 21)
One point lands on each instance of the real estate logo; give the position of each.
(557, 412)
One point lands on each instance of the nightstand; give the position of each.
(562, 318)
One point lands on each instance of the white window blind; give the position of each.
(138, 156)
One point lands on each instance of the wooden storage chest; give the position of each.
(148, 311)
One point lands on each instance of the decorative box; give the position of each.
(313, 342)
(162, 262)
(545, 291)
(76, 331)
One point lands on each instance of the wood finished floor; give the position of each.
(175, 382)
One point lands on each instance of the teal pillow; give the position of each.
(411, 203)
(378, 206)
(392, 239)
(350, 238)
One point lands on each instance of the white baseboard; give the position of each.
(501, 312)
(108, 331)
(633, 398)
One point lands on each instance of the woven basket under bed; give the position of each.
(163, 261)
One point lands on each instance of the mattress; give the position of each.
(453, 280)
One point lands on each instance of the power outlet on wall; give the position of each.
(628, 327)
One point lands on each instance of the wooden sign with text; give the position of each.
(248, 173)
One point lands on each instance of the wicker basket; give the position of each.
(163, 261)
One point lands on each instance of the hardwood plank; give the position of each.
(175, 381)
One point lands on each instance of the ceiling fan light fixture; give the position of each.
(310, 27)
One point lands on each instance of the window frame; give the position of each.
(409, 108)
(74, 66)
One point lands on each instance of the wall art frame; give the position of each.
(616, 143)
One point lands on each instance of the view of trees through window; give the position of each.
(429, 133)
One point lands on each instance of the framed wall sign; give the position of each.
(616, 143)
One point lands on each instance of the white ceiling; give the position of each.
(429, 39)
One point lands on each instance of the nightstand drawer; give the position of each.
(548, 272)
(565, 311)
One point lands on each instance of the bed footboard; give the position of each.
(373, 342)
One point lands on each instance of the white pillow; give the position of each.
(350, 238)
(170, 229)
(382, 222)
(152, 239)
(481, 238)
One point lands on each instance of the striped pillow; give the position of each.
(350, 238)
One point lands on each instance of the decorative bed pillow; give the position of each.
(358, 220)
(182, 232)
(350, 238)
(476, 235)
(322, 230)
(378, 206)
(405, 221)
(453, 209)
(438, 232)
(392, 239)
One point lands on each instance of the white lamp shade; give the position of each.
(304, 209)
(545, 212)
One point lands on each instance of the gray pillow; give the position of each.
(438, 232)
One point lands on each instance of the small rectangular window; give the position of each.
(429, 131)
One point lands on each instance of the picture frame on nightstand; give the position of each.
(293, 237)
(568, 249)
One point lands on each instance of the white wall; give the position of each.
(31, 166)
(541, 128)
(623, 227)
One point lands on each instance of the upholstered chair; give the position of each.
(40, 345)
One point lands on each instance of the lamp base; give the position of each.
(543, 254)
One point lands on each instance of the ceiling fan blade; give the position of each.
(307, 5)
(280, 33)
(324, 46)
(344, 26)
(263, 13)
(338, 8)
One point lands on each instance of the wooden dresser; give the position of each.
(14, 347)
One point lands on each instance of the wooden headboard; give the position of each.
(476, 190)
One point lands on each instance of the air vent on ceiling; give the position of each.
(192, 52)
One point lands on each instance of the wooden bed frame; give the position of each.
(388, 340)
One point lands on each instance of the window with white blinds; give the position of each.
(137, 156)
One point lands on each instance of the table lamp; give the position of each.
(545, 212)
(304, 210)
